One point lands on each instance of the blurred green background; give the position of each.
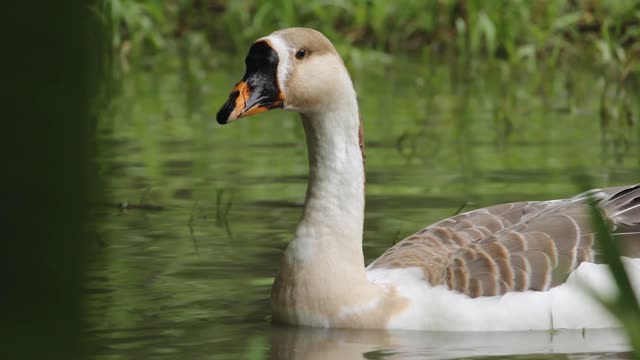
(137, 228)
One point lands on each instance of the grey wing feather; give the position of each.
(517, 246)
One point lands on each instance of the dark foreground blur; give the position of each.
(54, 55)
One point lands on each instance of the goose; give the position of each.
(516, 266)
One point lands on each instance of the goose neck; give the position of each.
(334, 206)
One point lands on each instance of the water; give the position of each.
(197, 215)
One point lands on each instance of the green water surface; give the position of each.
(197, 215)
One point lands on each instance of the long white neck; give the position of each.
(333, 216)
(322, 276)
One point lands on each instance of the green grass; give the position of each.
(514, 30)
(541, 35)
(625, 306)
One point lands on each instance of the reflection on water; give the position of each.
(310, 344)
(198, 215)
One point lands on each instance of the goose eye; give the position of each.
(300, 54)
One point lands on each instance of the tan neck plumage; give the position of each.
(322, 276)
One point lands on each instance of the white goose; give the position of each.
(506, 267)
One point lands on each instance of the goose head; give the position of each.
(296, 69)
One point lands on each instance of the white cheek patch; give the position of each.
(284, 60)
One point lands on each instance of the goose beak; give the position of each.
(258, 91)
(247, 99)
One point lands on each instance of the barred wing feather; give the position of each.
(517, 246)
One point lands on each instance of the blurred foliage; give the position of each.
(514, 30)
(625, 306)
(542, 35)
(57, 60)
